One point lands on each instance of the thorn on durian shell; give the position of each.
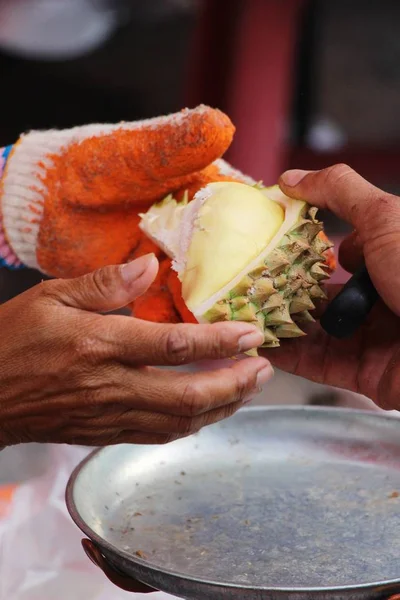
(312, 212)
(317, 293)
(274, 301)
(219, 312)
(303, 317)
(270, 339)
(307, 229)
(278, 316)
(260, 322)
(262, 289)
(289, 331)
(294, 247)
(296, 283)
(311, 259)
(242, 288)
(298, 272)
(320, 245)
(318, 272)
(313, 229)
(280, 281)
(238, 302)
(246, 313)
(253, 352)
(271, 345)
(310, 279)
(258, 272)
(276, 262)
(301, 301)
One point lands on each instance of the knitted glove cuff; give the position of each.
(23, 191)
(8, 257)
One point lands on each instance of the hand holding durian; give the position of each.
(230, 250)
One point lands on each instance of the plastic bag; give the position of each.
(41, 557)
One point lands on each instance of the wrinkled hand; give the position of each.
(71, 375)
(369, 362)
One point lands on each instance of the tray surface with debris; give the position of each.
(295, 502)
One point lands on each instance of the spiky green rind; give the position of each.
(277, 295)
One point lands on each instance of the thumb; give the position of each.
(341, 190)
(374, 214)
(109, 288)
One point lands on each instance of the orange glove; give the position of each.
(70, 199)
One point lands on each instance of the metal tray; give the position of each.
(298, 502)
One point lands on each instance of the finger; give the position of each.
(358, 364)
(106, 289)
(149, 421)
(141, 162)
(331, 291)
(107, 393)
(351, 255)
(192, 394)
(122, 581)
(318, 358)
(141, 342)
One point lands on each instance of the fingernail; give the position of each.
(250, 340)
(293, 177)
(134, 269)
(264, 375)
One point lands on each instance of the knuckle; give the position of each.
(90, 346)
(336, 172)
(48, 289)
(217, 341)
(185, 425)
(92, 398)
(231, 409)
(383, 222)
(86, 348)
(104, 281)
(194, 399)
(178, 346)
(242, 386)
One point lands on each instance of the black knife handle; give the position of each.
(349, 309)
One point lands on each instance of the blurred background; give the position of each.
(308, 83)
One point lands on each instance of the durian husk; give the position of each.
(277, 294)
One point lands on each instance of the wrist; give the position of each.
(8, 258)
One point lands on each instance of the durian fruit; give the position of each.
(244, 253)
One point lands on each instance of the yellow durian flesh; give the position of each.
(232, 227)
